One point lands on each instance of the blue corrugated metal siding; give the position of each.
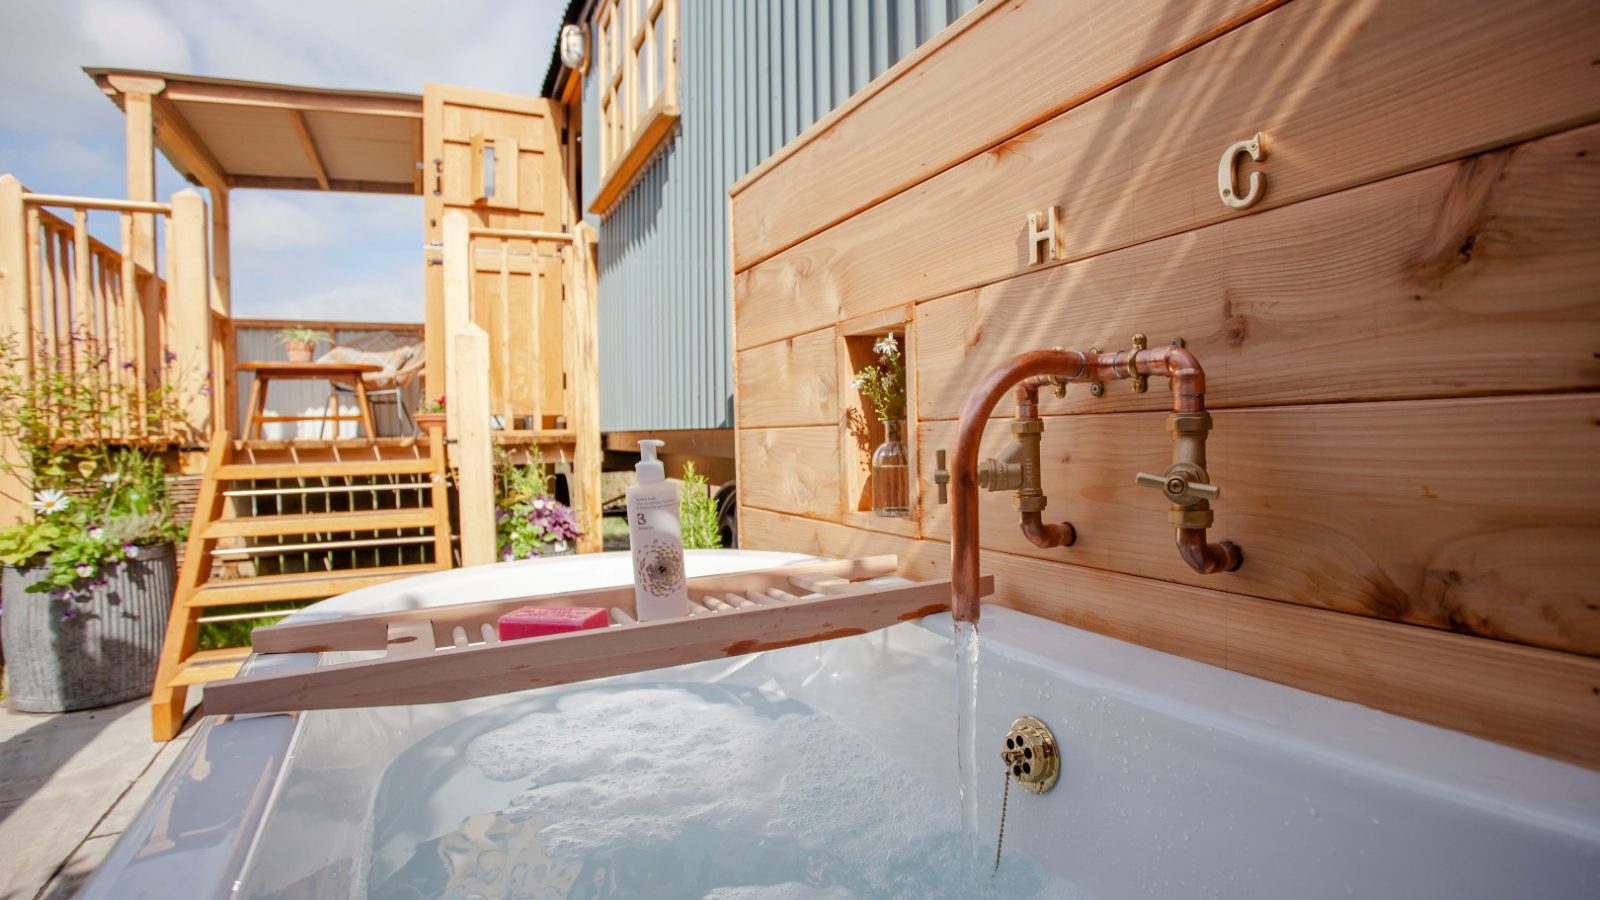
(753, 74)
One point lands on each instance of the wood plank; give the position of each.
(581, 372)
(799, 469)
(301, 586)
(714, 442)
(183, 627)
(1529, 74)
(308, 143)
(210, 665)
(1361, 295)
(321, 469)
(899, 131)
(189, 308)
(17, 320)
(322, 523)
(474, 458)
(139, 138)
(791, 382)
(1539, 700)
(182, 144)
(1475, 516)
(505, 666)
(370, 631)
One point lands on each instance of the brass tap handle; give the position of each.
(941, 477)
(1179, 489)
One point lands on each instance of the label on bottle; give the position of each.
(656, 534)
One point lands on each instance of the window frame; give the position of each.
(637, 110)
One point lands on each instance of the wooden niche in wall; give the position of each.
(861, 431)
(636, 60)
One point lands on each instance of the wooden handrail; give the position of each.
(520, 234)
(105, 203)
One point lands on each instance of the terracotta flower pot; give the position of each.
(78, 654)
(299, 352)
(426, 421)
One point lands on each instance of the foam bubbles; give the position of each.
(634, 767)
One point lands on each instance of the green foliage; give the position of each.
(301, 335)
(697, 512)
(95, 502)
(529, 521)
(883, 384)
(110, 511)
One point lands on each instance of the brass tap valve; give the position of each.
(1015, 469)
(1185, 483)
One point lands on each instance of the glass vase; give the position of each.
(891, 473)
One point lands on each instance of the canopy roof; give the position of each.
(223, 133)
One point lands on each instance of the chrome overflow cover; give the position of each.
(1031, 755)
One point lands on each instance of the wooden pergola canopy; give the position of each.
(222, 133)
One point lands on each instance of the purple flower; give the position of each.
(169, 356)
(69, 614)
(130, 550)
(85, 570)
(127, 365)
(96, 532)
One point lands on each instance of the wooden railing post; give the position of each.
(582, 355)
(457, 309)
(469, 403)
(189, 312)
(15, 322)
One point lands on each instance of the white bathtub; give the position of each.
(1178, 780)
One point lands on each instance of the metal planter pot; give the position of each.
(104, 652)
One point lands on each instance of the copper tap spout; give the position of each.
(1184, 482)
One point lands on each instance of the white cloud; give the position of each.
(133, 34)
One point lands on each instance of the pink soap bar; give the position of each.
(537, 621)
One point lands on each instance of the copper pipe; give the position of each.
(1025, 374)
(1207, 559)
(1017, 371)
(1055, 534)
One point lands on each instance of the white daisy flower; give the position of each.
(111, 478)
(50, 501)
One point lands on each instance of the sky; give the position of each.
(295, 254)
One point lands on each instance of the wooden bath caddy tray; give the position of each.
(445, 653)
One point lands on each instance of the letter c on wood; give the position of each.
(1225, 171)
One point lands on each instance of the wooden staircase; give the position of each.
(287, 522)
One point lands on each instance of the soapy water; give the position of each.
(691, 792)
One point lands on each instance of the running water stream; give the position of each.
(972, 853)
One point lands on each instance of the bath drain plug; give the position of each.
(1031, 756)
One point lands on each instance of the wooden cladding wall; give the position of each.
(1401, 339)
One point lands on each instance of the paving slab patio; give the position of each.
(69, 784)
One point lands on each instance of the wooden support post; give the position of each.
(582, 355)
(457, 309)
(469, 402)
(14, 324)
(189, 313)
(222, 305)
(140, 127)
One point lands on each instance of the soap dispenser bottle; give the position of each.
(656, 537)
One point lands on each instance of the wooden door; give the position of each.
(497, 158)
